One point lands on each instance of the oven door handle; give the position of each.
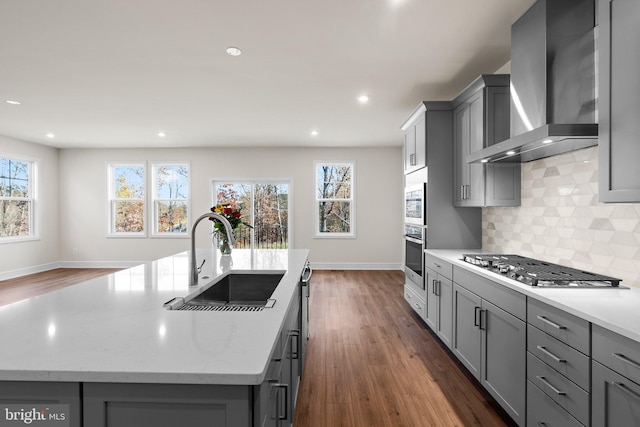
(413, 239)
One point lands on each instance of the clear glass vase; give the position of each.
(223, 244)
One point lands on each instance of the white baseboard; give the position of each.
(28, 270)
(354, 266)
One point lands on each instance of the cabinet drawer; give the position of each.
(543, 411)
(559, 324)
(417, 304)
(507, 299)
(564, 359)
(565, 393)
(617, 352)
(438, 265)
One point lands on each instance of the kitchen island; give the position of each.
(111, 351)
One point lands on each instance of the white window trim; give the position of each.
(316, 205)
(154, 200)
(34, 217)
(110, 201)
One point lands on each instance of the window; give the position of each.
(264, 205)
(17, 199)
(334, 207)
(127, 199)
(170, 199)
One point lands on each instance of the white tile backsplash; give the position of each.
(560, 220)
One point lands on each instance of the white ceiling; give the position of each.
(112, 73)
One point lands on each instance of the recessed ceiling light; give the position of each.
(363, 99)
(50, 135)
(162, 134)
(510, 153)
(12, 102)
(547, 141)
(314, 133)
(234, 51)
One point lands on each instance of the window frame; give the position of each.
(317, 234)
(111, 231)
(32, 199)
(154, 200)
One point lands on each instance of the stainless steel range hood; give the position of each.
(553, 96)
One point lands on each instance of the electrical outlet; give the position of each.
(75, 251)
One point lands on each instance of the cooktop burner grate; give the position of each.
(539, 273)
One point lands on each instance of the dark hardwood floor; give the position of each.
(371, 361)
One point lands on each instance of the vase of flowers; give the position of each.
(232, 212)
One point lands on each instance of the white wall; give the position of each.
(36, 255)
(378, 242)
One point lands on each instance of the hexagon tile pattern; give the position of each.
(560, 220)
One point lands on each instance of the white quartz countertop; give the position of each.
(615, 309)
(115, 329)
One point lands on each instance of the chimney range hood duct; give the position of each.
(553, 99)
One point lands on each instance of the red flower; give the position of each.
(237, 214)
(228, 211)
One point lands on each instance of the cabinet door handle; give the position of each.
(627, 390)
(626, 360)
(476, 320)
(542, 424)
(551, 355)
(548, 384)
(437, 289)
(483, 325)
(549, 322)
(412, 159)
(295, 333)
(462, 192)
(284, 387)
(433, 286)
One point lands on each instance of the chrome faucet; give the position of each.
(195, 270)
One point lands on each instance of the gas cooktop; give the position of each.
(540, 273)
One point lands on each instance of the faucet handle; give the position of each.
(199, 269)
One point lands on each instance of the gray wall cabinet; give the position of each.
(415, 153)
(481, 119)
(619, 127)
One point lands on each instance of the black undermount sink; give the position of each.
(232, 292)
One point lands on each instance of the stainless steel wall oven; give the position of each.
(415, 241)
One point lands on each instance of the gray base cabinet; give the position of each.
(490, 338)
(616, 399)
(35, 392)
(439, 291)
(619, 127)
(165, 405)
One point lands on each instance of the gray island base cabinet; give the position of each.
(237, 392)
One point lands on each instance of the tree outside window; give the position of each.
(170, 199)
(16, 199)
(264, 205)
(334, 205)
(127, 194)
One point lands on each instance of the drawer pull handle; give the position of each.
(627, 390)
(548, 384)
(551, 355)
(626, 360)
(418, 306)
(541, 424)
(549, 322)
(437, 265)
